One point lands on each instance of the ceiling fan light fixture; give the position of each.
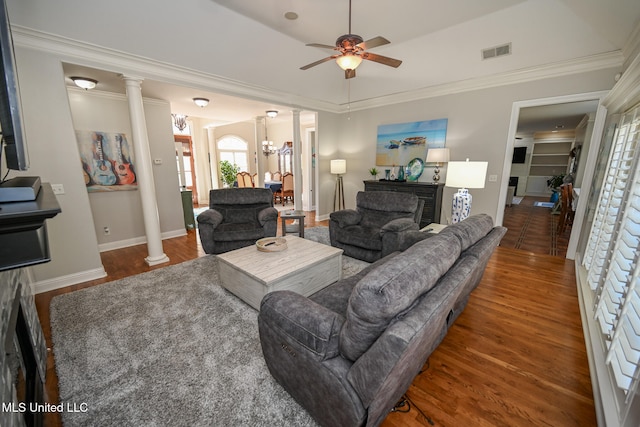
(84, 82)
(201, 102)
(348, 61)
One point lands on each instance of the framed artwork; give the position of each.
(107, 161)
(397, 144)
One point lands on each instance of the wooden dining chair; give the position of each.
(254, 179)
(244, 180)
(287, 187)
(566, 208)
(276, 176)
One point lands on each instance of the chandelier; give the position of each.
(267, 146)
(180, 121)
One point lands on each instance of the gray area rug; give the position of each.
(168, 348)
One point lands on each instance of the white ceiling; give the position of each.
(439, 42)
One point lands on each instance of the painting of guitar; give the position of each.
(102, 172)
(122, 168)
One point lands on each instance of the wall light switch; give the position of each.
(493, 178)
(157, 161)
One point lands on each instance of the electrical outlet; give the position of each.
(493, 178)
(57, 188)
(107, 231)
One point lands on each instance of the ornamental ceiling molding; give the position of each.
(107, 59)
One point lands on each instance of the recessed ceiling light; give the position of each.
(292, 16)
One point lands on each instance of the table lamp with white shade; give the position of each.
(437, 156)
(464, 175)
(338, 167)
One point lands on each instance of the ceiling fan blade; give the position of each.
(381, 59)
(323, 46)
(349, 73)
(374, 42)
(313, 64)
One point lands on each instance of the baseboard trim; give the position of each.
(104, 247)
(68, 280)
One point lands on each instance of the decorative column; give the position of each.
(297, 162)
(144, 172)
(262, 161)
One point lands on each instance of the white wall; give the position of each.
(52, 145)
(55, 158)
(121, 211)
(478, 124)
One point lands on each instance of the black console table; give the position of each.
(430, 193)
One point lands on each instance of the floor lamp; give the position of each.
(338, 167)
(464, 175)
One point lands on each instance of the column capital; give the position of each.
(132, 80)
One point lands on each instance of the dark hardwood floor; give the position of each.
(515, 356)
(534, 228)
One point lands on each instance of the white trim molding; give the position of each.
(68, 280)
(121, 62)
(104, 247)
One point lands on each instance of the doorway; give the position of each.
(186, 165)
(545, 108)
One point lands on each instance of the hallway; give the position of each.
(533, 228)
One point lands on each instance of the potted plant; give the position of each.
(228, 173)
(554, 183)
(374, 173)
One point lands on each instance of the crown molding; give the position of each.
(88, 54)
(116, 61)
(626, 92)
(559, 69)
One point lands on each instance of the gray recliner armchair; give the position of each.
(383, 222)
(237, 218)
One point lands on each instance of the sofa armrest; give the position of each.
(267, 214)
(310, 326)
(211, 217)
(346, 217)
(399, 225)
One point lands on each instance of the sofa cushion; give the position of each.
(392, 288)
(361, 236)
(230, 231)
(311, 325)
(470, 230)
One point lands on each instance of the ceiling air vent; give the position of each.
(494, 52)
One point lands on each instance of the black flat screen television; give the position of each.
(13, 137)
(519, 155)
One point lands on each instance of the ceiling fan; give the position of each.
(352, 50)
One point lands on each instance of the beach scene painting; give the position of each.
(397, 144)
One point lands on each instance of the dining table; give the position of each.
(273, 185)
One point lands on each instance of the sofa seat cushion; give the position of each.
(392, 288)
(361, 236)
(230, 231)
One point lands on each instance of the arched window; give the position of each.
(234, 149)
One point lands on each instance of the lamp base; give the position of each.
(338, 195)
(436, 174)
(461, 207)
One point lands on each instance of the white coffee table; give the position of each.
(304, 267)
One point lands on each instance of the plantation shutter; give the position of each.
(611, 257)
(611, 194)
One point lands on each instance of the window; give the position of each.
(234, 149)
(611, 258)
